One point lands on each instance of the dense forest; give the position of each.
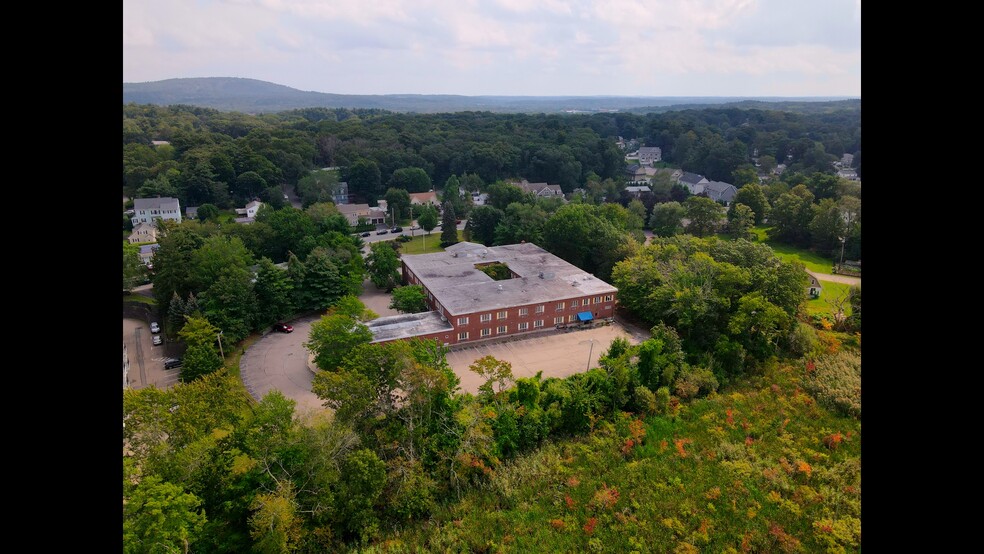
(228, 158)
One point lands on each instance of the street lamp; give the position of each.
(590, 350)
(843, 241)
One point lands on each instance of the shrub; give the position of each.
(836, 382)
(802, 339)
(645, 400)
(694, 382)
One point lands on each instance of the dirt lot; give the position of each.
(556, 355)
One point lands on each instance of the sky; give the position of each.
(504, 47)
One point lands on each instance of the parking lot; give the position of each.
(558, 354)
(146, 360)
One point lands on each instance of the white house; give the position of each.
(650, 154)
(147, 210)
(539, 189)
(145, 232)
(353, 212)
(250, 209)
(421, 198)
(719, 191)
(694, 182)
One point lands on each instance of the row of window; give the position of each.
(485, 318)
(502, 329)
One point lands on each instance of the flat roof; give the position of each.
(407, 326)
(457, 285)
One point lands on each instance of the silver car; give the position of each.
(155, 328)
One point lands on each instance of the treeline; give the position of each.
(227, 158)
(230, 274)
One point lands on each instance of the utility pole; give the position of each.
(220, 347)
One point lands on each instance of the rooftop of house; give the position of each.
(162, 203)
(719, 190)
(634, 168)
(454, 281)
(407, 326)
(649, 150)
(641, 188)
(346, 209)
(424, 197)
(691, 178)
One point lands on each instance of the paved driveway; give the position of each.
(556, 355)
(146, 360)
(279, 361)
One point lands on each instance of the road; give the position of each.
(278, 361)
(846, 279)
(406, 231)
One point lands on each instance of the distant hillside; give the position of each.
(253, 96)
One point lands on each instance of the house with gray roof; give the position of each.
(637, 190)
(149, 210)
(720, 192)
(694, 182)
(540, 190)
(650, 154)
(541, 292)
(635, 173)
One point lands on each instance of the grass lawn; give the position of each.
(232, 359)
(139, 298)
(416, 246)
(824, 303)
(813, 262)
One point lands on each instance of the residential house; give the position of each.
(847, 173)
(145, 232)
(649, 155)
(480, 199)
(147, 252)
(779, 169)
(340, 195)
(159, 143)
(353, 212)
(635, 173)
(148, 210)
(720, 192)
(813, 288)
(248, 214)
(694, 182)
(636, 191)
(540, 190)
(675, 174)
(847, 160)
(191, 212)
(421, 198)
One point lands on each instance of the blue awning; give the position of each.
(584, 316)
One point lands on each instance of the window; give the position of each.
(502, 314)
(560, 306)
(524, 326)
(537, 324)
(524, 311)
(539, 309)
(609, 297)
(486, 332)
(575, 303)
(463, 335)
(597, 300)
(571, 318)
(463, 321)
(486, 318)
(558, 320)
(502, 329)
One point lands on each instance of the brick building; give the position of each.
(535, 291)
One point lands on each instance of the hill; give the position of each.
(254, 96)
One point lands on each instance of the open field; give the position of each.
(433, 242)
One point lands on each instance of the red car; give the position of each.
(283, 328)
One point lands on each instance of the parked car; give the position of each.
(283, 328)
(154, 327)
(171, 363)
(366, 234)
(414, 227)
(158, 340)
(396, 230)
(382, 232)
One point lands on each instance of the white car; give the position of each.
(155, 328)
(158, 340)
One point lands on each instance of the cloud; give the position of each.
(651, 47)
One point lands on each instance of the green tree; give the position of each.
(274, 293)
(289, 227)
(324, 284)
(767, 163)
(704, 214)
(365, 477)
(827, 227)
(134, 270)
(744, 176)
(249, 184)
(365, 180)
(753, 196)
(198, 361)
(503, 194)
(522, 222)
(449, 225)
(383, 265)
(411, 179)
(198, 331)
(275, 524)
(452, 194)
(791, 215)
(230, 303)
(175, 314)
(854, 320)
(637, 214)
(333, 337)
(482, 223)
(409, 299)
(427, 218)
(208, 212)
(740, 221)
(398, 203)
(667, 219)
(160, 517)
(218, 254)
(318, 186)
